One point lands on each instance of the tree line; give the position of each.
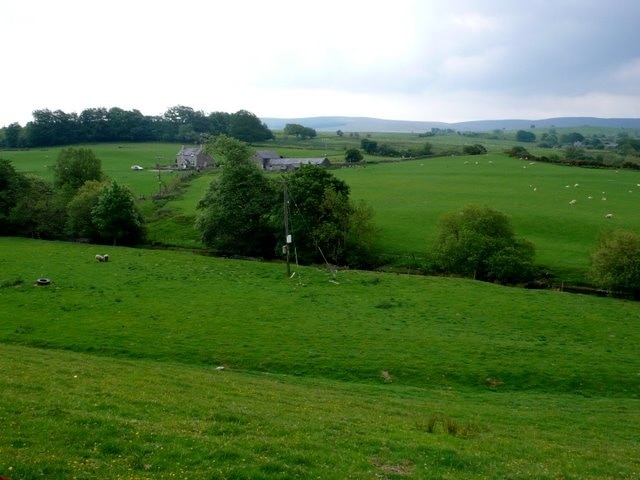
(94, 125)
(80, 203)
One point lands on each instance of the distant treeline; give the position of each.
(93, 125)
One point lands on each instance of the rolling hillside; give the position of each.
(368, 124)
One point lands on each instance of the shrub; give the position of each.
(615, 262)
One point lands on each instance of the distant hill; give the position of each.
(368, 124)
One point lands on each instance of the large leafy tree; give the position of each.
(74, 166)
(39, 211)
(299, 131)
(236, 212)
(245, 126)
(13, 185)
(615, 262)
(80, 219)
(479, 242)
(325, 225)
(116, 216)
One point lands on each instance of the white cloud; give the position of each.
(409, 59)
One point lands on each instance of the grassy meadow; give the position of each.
(408, 197)
(167, 364)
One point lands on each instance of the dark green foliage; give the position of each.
(12, 136)
(571, 138)
(476, 149)
(80, 219)
(369, 146)
(353, 155)
(236, 212)
(12, 186)
(480, 243)
(116, 216)
(615, 263)
(74, 166)
(299, 131)
(242, 212)
(229, 151)
(39, 211)
(524, 136)
(325, 225)
(245, 126)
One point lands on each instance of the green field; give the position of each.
(408, 197)
(113, 371)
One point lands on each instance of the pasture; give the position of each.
(408, 197)
(164, 364)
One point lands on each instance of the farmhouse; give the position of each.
(193, 158)
(268, 160)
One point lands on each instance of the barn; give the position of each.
(193, 158)
(268, 160)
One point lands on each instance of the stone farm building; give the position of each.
(193, 158)
(268, 160)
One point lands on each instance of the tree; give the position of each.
(74, 166)
(476, 149)
(480, 243)
(325, 225)
(246, 127)
(39, 211)
(572, 138)
(117, 217)
(299, 131)
(12, 186)
(12, 135)
(615, 262)
(219, 123)
(229, 151)
(353, 155)
(369, 146)
(80, 220)
(94, 125)
(236, 212)
(524, 136)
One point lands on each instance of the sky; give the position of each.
(448, 61)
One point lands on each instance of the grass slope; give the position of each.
(178, 306)
(110, 372)
(69, 415)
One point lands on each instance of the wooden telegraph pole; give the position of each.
(287, 236)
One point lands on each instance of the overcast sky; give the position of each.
(449, 61)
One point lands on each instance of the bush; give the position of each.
(480, 243)
(615, 262)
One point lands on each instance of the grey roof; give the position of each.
(266, 154)
(298, 161)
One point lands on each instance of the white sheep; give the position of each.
(100, 258)
(572, 202)
(609, 215)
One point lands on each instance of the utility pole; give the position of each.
(286, 228)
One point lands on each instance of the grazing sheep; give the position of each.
(609, 215)
(100, 258)
(572, 202)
